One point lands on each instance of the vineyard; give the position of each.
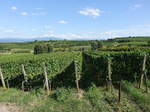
(93, 66)
(74, 56)
(33, 66)
(124, 65)
(109, 81)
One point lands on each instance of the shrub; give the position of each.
(93, 95)
(96, 45)
(148, 43)
(43, 48)
(62, 94)
(100, 44)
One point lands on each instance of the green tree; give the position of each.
(148, 43)
(43, 48)
(100, 44)
(94, 46)
(49, 48)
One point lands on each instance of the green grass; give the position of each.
(60, 100)
(148, 83)
(67, 100)
(140, 97)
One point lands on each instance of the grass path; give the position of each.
(126, 104)
(141, 98)
(61, 100)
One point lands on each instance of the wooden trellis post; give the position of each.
(7, 83)
(77, 75)
(24, 72)
(2, 79)
(25, 76)
(119, 92)
(146, 83)
(143, 71)
(109, 75)
(50, 85)
(46, 79)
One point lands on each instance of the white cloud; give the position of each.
(38, 13)
(62, 22)
(135, 30)
(39, 8)
(24, 13)
(135, 6)
(68, 36)
(33, 13)
(142, 30)
(141, 26)
(9, 31)
(93, 12)
(33, 29)
(13, 8)
(47, 27)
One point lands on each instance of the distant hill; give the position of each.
(27, 39)
(135, 39)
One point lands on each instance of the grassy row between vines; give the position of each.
(60, 100)
(138, 95)
(66, 100)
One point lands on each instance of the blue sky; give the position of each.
(74, 19)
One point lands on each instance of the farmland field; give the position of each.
(75, 78)
(74, 56)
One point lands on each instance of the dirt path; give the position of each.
(7, 107)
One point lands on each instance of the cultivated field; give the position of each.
(77, 76)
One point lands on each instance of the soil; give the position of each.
(9, 107)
